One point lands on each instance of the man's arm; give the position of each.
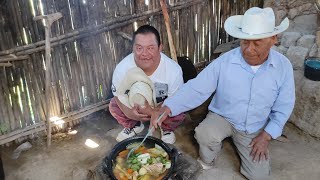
(282, 107)
(279, 115)
(195, 91)
(190, 95)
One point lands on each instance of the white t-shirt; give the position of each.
(167, 78)
(255, 68)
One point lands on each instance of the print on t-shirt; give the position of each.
(161, 90)
(113, 88)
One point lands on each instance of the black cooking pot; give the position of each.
(312, 69)
(149, 142)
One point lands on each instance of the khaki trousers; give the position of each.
(213, 130)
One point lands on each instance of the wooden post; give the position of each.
(49, 19)
(167, 22)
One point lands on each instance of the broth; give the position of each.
(143, 164)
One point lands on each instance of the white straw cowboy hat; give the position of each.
(136, 88)
(256, 23)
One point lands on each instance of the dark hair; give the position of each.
(145, 29)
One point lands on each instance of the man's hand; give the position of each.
(132, 113)
(155, 115)
(259, 146)
(137, 115)
(146, 109)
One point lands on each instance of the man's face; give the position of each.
(256, 52)
(147, 52)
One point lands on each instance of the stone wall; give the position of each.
(298, 43)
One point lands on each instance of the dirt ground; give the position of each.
(69, 157)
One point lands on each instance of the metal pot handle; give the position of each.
(177, 176)
(175, 155)
(105, 165)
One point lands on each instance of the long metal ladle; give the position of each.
(148, 134)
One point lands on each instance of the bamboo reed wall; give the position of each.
(87, 44)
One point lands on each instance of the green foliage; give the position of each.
(4, 128)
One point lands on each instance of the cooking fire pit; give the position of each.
(185, 166)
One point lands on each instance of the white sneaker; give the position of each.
(204, 165)
(168, 137)
(130, 132)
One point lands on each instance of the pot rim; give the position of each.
(312, 63)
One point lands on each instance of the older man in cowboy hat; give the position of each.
(141, 82)
(254, 94)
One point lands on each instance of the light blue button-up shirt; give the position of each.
(249, 101)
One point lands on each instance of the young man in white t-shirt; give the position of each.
(166, 75)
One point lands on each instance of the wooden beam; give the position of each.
(17, 58)
(90, 107)
(22, 134)
(85, 113)
(17, 132)
(222, 48)
(5, 64)
(125, 35)
(167, 23)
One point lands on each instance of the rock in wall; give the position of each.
(298, 43)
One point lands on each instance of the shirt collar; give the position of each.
(271, 59)
(238, 55)
(243, 63)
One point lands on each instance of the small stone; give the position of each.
(23, 147)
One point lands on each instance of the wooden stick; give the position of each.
(125, 35)
(24, 133)
(14, 11)
(36, 87)
(3, 110)
(84, 73)
(15, 96)
(55, 84)
(16, 132)
(65, 102)
(10, 116)
(31, 88)
(26, 116)
(16, 58)
(167, 23)
(84, 109)
(50, 18)
(6, 64)
(47, 82)
(85, 113)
